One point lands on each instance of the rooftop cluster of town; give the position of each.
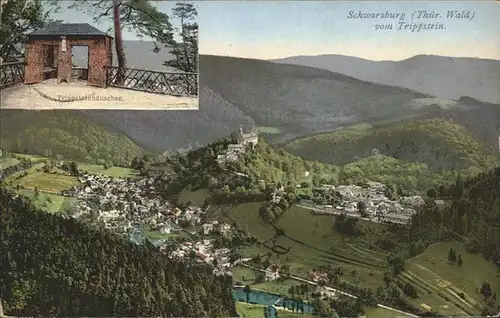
(375, 204)
(125, 205)
(122, 204)
(204, 251)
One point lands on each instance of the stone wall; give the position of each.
(100, 55)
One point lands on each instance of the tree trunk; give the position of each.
(120, 53)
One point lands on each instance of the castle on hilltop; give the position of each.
(235, 149)
(250, 138)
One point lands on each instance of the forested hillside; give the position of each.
(199, 168)
(474, 213)
(53, 266)
(266, 162)
(291, 95)
(160, 130)
(441, 145)
(275, 165)
(472, 216)
(66, 133)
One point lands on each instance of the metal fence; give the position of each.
(175, 84)
(11, 74)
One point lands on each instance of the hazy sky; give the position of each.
(77, 16)
(268, 30)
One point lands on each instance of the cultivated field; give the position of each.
(449, 288)
(115, 172)
(45, 201)
(250, 310)
(49, 186)
(378, 312)
(53, 182)
(309, 241)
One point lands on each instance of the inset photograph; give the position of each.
(102, 55)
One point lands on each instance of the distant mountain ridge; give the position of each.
(296, 100)
(299, 100)
(139, 54)
(441, 76)
(233, 92)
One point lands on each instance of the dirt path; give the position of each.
(78, 95)
(367, 254)
(458, 297)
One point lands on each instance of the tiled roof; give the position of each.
(69, 29)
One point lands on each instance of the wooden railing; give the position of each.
(11, 74)
(176, 84)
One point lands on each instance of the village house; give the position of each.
(207, 228)
(408, 212)
(225, 228)
(166, 229)
(325, 293)
(221, 270)
(349, 192)
(370, 207)
(277, 195)
(439, 203)
(318, 277)
(376, 187)
(412, 201)
(351, 208)
(272, 272)
(395, 218)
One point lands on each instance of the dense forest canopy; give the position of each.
(473, 215)
(66, 133)
(440, 144)
(416, 155)
(54, 266)
(264, 163)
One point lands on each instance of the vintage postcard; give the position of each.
(103, 55)
(344, 162)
